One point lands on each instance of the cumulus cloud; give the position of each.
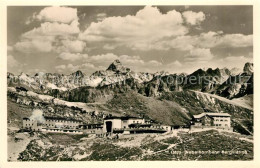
(205, 40)
(175, 64)
(193, 18)
(12, 62)
(72, 56)
(68, 68)
(232, 61)
(183, 43)
(58, 22)
(53, 29)
(60, 67)
(101, 16)
(149, 29)
(75, 46)
(236, 40)
(10, 48)
(198, 55)
(135, 63)
(99, 62)
(109, 57)
(58, 14)
(147, 26)
(218, 39)
(131, 61)
(29, 46)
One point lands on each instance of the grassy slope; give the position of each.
(167, 112)
(16, 112)
(178, 107)
(194, 102)
(170, 108)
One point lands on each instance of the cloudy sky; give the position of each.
(144, 38)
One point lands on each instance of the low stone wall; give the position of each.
(193, 127)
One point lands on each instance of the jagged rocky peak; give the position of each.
(199, 72)
(24, 75)
(9, 75)
(225, 70)
(248, 68)
(161, 73)
(117, 66)
(218, 72)
(213, 72)
(41, 74)
(78, 74)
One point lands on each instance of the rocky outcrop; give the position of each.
(248, 68)
(238, 85)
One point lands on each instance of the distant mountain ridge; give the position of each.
(118, 77)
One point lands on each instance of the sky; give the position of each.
(176, 39)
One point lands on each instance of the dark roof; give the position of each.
(96, 124)
(212, 115)
(60, 118)
(139, 124)
(122, 117)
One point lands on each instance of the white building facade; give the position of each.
(216, 120)
(113, 123)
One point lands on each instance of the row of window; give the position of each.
(64, 125)
(51, 125)
(62, 121)
(220, 125)
(221, 120)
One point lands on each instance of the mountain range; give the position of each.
(223, 82)
(163, 97)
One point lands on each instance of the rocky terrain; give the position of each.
(53, 147)
(224, 82)
(166, 98)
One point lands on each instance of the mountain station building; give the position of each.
(211, 120)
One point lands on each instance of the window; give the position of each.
(133, 121)
(221, 120)
(216, 119)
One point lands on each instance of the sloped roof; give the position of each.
(219, 114)
(212, 115)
